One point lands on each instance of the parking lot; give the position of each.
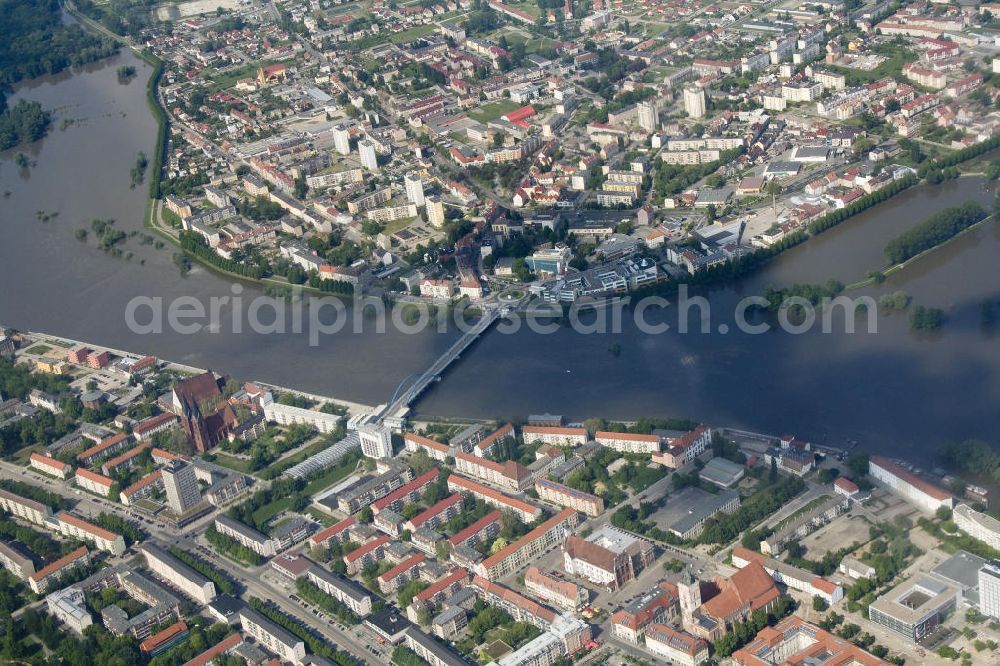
(836, 535)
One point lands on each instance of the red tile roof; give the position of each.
(62, 562)
(372, 545)
(211, 653)
(403, 491)
(439, 507)
(527, 538)
(403, 566)
(436, 588)
(909, 477)
(474, 528)
(332, 531)
(162, 637)
(50, 462)
(95, 477)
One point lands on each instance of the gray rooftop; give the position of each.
(278, 632)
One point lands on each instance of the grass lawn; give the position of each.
(493, 110)
(398, 225)
(332, 475)
(413, 33)
(322, 517)
(269, 511)
(222, 80)
(39, 349)
(291, 461)
(233, 463)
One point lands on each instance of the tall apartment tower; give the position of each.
(181, 486)
(376, 441)
(342, 139)
(414, 189)
(435, 212)
(648, 119)
(368, 158)
(989, 589)
(694, 101)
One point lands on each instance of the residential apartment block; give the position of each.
(525, 511)
(178, 574)
(272, 637)
(509, 475)
(550, 533)
(557, 493)
(50, 466)
(555, 436)
(627, 442)
(556, 590)
(43, 579)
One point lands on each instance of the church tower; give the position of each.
(689, 593)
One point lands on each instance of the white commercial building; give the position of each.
(978, 525)
(287, 415)
(924, 495)
(376, 441)
(68, 606)
(989, 589)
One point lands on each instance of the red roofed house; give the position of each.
(627, 442)
(846, 487)
(224, 648)
(439, 513)
(519, 114)
(50, 466)
(402, 573)
(93, 482)
(161, 642)
(371, 552)
(46, 576)
(337, 533)
(914, 489)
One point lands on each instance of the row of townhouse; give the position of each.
(45, 578)
(401, 574)
(106, 447)
(368, 553)
(483, 529)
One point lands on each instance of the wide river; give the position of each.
(893, 391)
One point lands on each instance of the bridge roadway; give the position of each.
(402, 402)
